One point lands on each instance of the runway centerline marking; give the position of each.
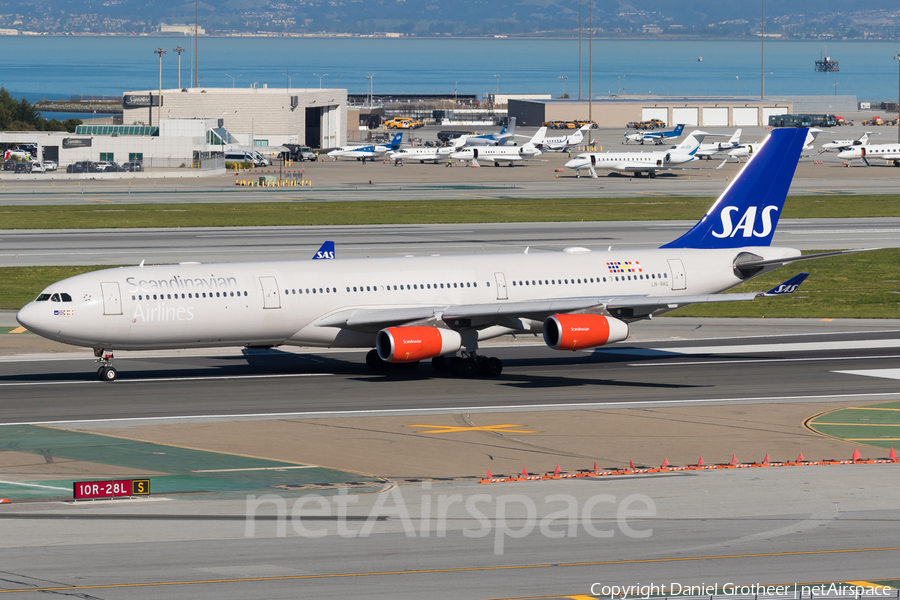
(464, 409)
(483, 568)
(454, 429)
(725, 361)
(37, 485)
(882, 373)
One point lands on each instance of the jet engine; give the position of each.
(409, 344)
(575, 332)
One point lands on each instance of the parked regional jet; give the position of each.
(841, 144)
(657, 137)
(639, 162)
(563, 143)
(499, 154)
(504, 138)
(889, 152)
(707, 150)
(745, 150)
(366, 152)
(439, 308)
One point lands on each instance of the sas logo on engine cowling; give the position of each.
(747, 223)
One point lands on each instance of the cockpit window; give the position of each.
(54, 298)
(42, 298)
(65, 297)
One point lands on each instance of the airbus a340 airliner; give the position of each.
(439, 308)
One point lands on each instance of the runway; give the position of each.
(116, 246)
(198, 385)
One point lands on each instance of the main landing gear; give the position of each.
(107, 372)
(468, 365)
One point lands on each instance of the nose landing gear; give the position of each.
(106, 372)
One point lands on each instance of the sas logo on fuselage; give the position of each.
(747, 223)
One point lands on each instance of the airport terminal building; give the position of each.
(619, 111)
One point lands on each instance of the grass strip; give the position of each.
(475, 210)
(856, 286)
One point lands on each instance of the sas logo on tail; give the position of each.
(324, 255)
(747, 223)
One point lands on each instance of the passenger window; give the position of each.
(327, 290)
(514, 283)
(132, 298)
(489, 284)
(468, 284)
(245, 293)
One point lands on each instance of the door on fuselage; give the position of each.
(678, 277)
(271, 298)
(112, 301)
(501, 286)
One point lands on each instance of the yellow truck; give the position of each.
(402, 123)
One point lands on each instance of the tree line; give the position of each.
(22, 115)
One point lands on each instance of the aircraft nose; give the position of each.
(575, 163)
(29, 317)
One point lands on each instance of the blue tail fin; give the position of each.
(747, 211)
(326, 252)
(677, 131)
(395, 143)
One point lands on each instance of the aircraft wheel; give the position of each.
(577, 174)
(651, 175)
(439, 363)
(468, 367)
(493, 367)
(109, 374)
(454, 365)
(374, 361)
(100, 373)
(510, 164)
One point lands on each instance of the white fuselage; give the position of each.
(628, 161)
(359, 152)
(496, 153)
(872, 151)
(423, 154)
(290, 302)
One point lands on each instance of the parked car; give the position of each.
(133, 166)
(37, 167)
(79, 167)
(50, 165)
(9, 165)
(23, 167)
(101, 167)
(403, 123)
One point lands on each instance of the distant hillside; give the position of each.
(799, 18)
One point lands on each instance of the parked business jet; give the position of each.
(707, 150)
(841, 144)
(499, 154)
(889, 152)
(657, 137)
(639, 162)
(744, 150)
(563, 143)
(504, 138)
(423, 155)
(367, 152)
(439, 308)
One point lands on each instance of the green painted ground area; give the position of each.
(873, 425)
(185, 469)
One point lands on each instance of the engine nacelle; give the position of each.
(409, 344)
(575, 332)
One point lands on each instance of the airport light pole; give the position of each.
(232, 78)
(288, 75)
(762, 51)
(335, 80)
(369, 77)
(579, 49)
(179, 50)
(738, 86)
(563, 78)
(897, 58)
(159, 51)
(320, 79)
(497, 92)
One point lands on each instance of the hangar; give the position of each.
(619, 111)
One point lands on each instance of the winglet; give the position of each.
(326, 252)
(789, 286)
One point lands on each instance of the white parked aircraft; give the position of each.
(889, 152)
(442, 308)
(504, 138)
(562, 143)
(841, 144)
(367, 152)
(423, 155)
(499, 154)
(745, 150)
(657, 137)
(639, 162)
(707, 150)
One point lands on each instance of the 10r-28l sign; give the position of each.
(121, 488)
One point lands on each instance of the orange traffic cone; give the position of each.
(488, 476)
(5, 501)
(557, 470)
(665, 463)
(700, 462)
(856, 454)
(631, 464)
(766, 459)
(734, 460)
(800, 458)
(524, 472)
(893, 455)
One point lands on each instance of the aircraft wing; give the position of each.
(483, 315)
